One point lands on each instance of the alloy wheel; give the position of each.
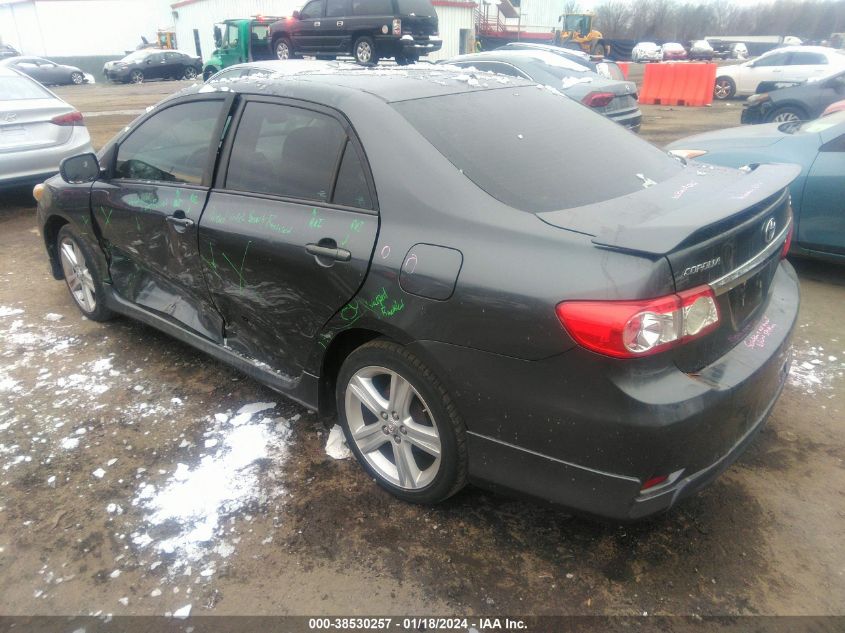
(136, 77)
(392, 427)
(723, 89)
(363, 52)
(190, 72)
(785, 117)
(282, 50)
(77, 78)
(77, 275)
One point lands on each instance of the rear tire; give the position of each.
(401, 423)
(364, 51)
(77, 78)
(190, 73)
(724, 88)
(81, 275)
(283, 49)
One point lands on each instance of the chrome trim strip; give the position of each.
(748, 269)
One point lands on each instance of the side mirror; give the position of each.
(78, 170)
(218, 37)
(296, 15)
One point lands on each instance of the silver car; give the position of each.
(37, 130)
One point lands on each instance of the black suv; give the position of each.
(366, 29)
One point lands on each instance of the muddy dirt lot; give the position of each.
(138, 476)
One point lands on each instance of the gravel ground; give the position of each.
(138, 476)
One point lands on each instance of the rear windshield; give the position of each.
(19, 88)
(536, 150)
(416, 7)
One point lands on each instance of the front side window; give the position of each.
(337, 8)
(779, 59)
(285, 151)
(372, 7)
(311, 10)
(172, 145)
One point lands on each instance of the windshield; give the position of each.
(20, 88)
(416, 8)
(522, 160)
(816, 126)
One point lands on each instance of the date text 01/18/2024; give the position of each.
(432, 624)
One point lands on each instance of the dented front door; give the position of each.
(148, 211)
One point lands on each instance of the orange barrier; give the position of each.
(624, 66)
(678, 84)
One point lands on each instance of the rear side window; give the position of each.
(807, 59)
(351, 189)
(285, 151)
(20, 89)
(523, 160)
(372, 7)
(172, 145)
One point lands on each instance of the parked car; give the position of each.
(600, 66)
(37, 130)
(8, 51)
(646, 52)
(275, 67)
(701, 49)
(46, 72)
(787, 64)
(366, 29)
(140, 66)
(799, 103)
(838, 106)
(609, 338)
(617, 100)
(817, 146)
(672, 51)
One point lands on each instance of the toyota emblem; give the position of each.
(769, 230)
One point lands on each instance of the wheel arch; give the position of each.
(51, 233)
(794, 105)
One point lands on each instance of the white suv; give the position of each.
(789, 64)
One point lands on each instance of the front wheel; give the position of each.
(364, 51)
(725, 88)
(77, 78)
(190, 73)
(786, 114)
(81, 276)
(401, 423)
(136, 77)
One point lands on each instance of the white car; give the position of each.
(787, 64)
(37, 130)
(646, 52)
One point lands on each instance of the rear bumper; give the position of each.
(37, 165)
(632, 119)
(408, 45)
(585, 431)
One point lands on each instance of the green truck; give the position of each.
(238, 41)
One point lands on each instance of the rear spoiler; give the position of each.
(659, 219)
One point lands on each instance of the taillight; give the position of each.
(598, 99)
(71, 118)
(628, 329)
(654, 481)
(788, 242)
(397, 26)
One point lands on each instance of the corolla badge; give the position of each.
(769, 230)
(698, 268)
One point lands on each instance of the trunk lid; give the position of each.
(715, 226)
(25, 125)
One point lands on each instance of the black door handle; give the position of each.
(179, 221)
(328, 252)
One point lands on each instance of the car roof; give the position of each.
(799, 49)
(385, 83)
(557, 50)
(512, 55)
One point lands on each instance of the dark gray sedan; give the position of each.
(801, 102)
(46, 72)
(617, 100)
(413, 254)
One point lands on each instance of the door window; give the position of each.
(372, 7)
(351, 189)
(778, 59)
(285, 151)
(173, 57)
(337, 8)
(172, 146)
(313, 9)
(231, 40)
(807, 59)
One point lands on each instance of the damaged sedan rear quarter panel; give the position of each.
(471, 240)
